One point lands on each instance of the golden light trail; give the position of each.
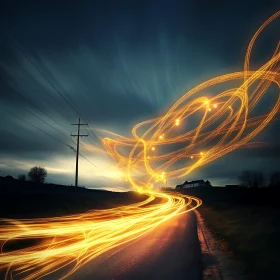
(69, 242)
(229, 126)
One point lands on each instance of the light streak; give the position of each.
(229, 127)
(71, 241)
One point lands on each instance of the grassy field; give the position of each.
(29, 200)
(247, 226)
(253, 238)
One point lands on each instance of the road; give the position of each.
(171, 251)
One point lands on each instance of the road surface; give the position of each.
(171, 251)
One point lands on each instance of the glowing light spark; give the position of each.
(215, 105)
(71, 241)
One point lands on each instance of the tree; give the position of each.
(251, 179)
(37, 174)
(275, 179)
(258, 180)
(246, 178)
(22, 177)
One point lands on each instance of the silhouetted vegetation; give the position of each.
(275, 179)
(37, 174)
(22, 177)
(251, 179)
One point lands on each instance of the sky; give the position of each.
(116, 63)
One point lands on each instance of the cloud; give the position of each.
(116, 67)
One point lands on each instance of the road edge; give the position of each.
(217, 265)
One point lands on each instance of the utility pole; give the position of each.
(78, 144)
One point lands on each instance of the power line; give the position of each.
(39, 118)
(39, 129)
(34, 105)
(46, 78)
(53, 86)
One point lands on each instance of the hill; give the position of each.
(25, 199)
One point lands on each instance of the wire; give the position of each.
(39, 129)
(34, 105)
(46, 78)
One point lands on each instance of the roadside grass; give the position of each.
(251, 234)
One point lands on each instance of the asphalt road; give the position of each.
(171, 251)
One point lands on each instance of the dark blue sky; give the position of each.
(118, 63)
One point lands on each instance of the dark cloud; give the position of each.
(117, 63)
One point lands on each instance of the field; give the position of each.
(30, 200)
(246, 223)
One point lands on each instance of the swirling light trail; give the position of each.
(158, 151)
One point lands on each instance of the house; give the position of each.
(193, 184)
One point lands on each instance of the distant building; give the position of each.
(193, 184)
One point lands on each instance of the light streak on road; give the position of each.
(68, 242)
(71, 241)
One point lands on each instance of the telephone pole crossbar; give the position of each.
(78, 144)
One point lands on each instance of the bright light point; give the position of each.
(191, 157)
(209, 109)
(148, 156)
(153, 148)
(162, 173)
(215, 105)
(201, 153)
